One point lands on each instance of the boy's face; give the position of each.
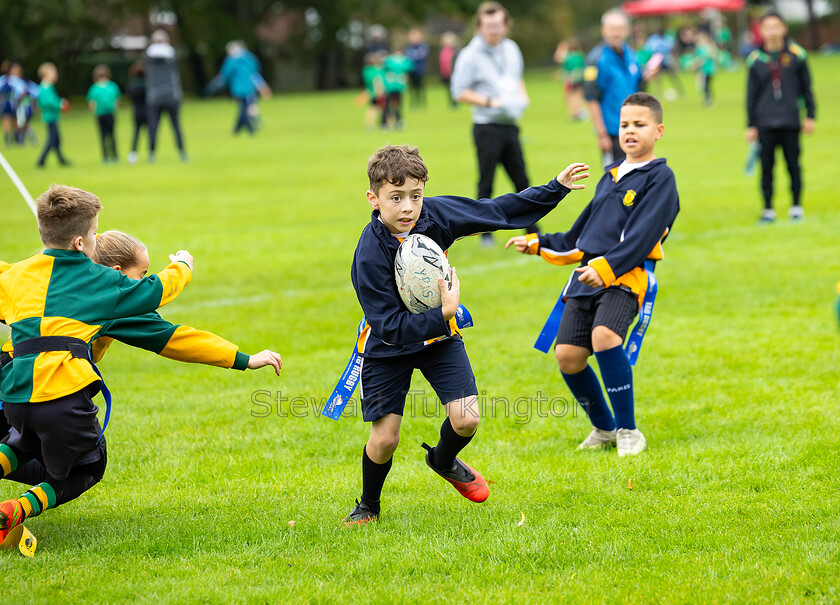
(638, 132)
(773, 30)
(399, 206)
(86, 244)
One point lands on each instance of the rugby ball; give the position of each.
(419, 264)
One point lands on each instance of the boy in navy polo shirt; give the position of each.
(395, 342)
(624, 225)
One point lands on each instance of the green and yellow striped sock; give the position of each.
(8, 459)
(37, 499)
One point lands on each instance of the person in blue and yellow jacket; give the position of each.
(612, 72)
(56, 303)
(634, 207)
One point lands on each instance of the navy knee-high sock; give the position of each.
(618, 378)
(587, 390)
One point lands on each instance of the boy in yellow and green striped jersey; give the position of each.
(56, 304)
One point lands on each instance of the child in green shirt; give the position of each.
(397, 68)
(102, 98)
(51, 106)
(705, 64)
(571, 61)
(373, 77)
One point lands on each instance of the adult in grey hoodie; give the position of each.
(488, 76)
(163, 89)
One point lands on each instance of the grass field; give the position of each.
(205, 501)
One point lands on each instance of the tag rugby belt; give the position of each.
(545, 340)
(352, 374)
(77, 347)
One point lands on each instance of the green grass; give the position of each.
(737, 384)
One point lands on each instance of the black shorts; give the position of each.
(612, 308)
(62, 433)
(387, 380)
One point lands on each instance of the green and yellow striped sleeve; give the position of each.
(181, 343)
(138, 297)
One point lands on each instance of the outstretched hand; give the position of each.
(573, 173)
(521, 243)
(266, 358)
(184, 256)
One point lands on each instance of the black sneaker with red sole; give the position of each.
(360, 515)
(468, 481)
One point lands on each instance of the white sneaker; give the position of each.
(768, 216)
(132, 157)
(796, 213)
(598, 439)
(630, 442)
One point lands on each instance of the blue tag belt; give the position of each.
(548, 334)
(352, 374)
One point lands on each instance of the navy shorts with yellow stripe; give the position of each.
(386, 381)
(613, 308)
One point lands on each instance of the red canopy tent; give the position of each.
(649, 8)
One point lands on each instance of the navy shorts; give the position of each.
(613, 308)
(62, 433)
(387, 380)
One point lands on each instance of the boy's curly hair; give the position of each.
(394, 164)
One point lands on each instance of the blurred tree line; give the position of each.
(301, 43)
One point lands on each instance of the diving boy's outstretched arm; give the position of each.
(137, 297)
(184, 343)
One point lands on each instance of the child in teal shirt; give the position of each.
(571, 60)
(397, 68)
(373, 78)
(51, 105)
(705, 63)
(102, 98)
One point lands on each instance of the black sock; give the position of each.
(443, 454)
(373, 478)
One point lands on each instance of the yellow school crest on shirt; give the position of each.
(629, 197)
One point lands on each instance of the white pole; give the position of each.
(18, 183)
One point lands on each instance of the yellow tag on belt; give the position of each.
(23, 538)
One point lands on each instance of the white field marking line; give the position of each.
(18, 183)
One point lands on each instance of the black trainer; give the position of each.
(360, 515)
